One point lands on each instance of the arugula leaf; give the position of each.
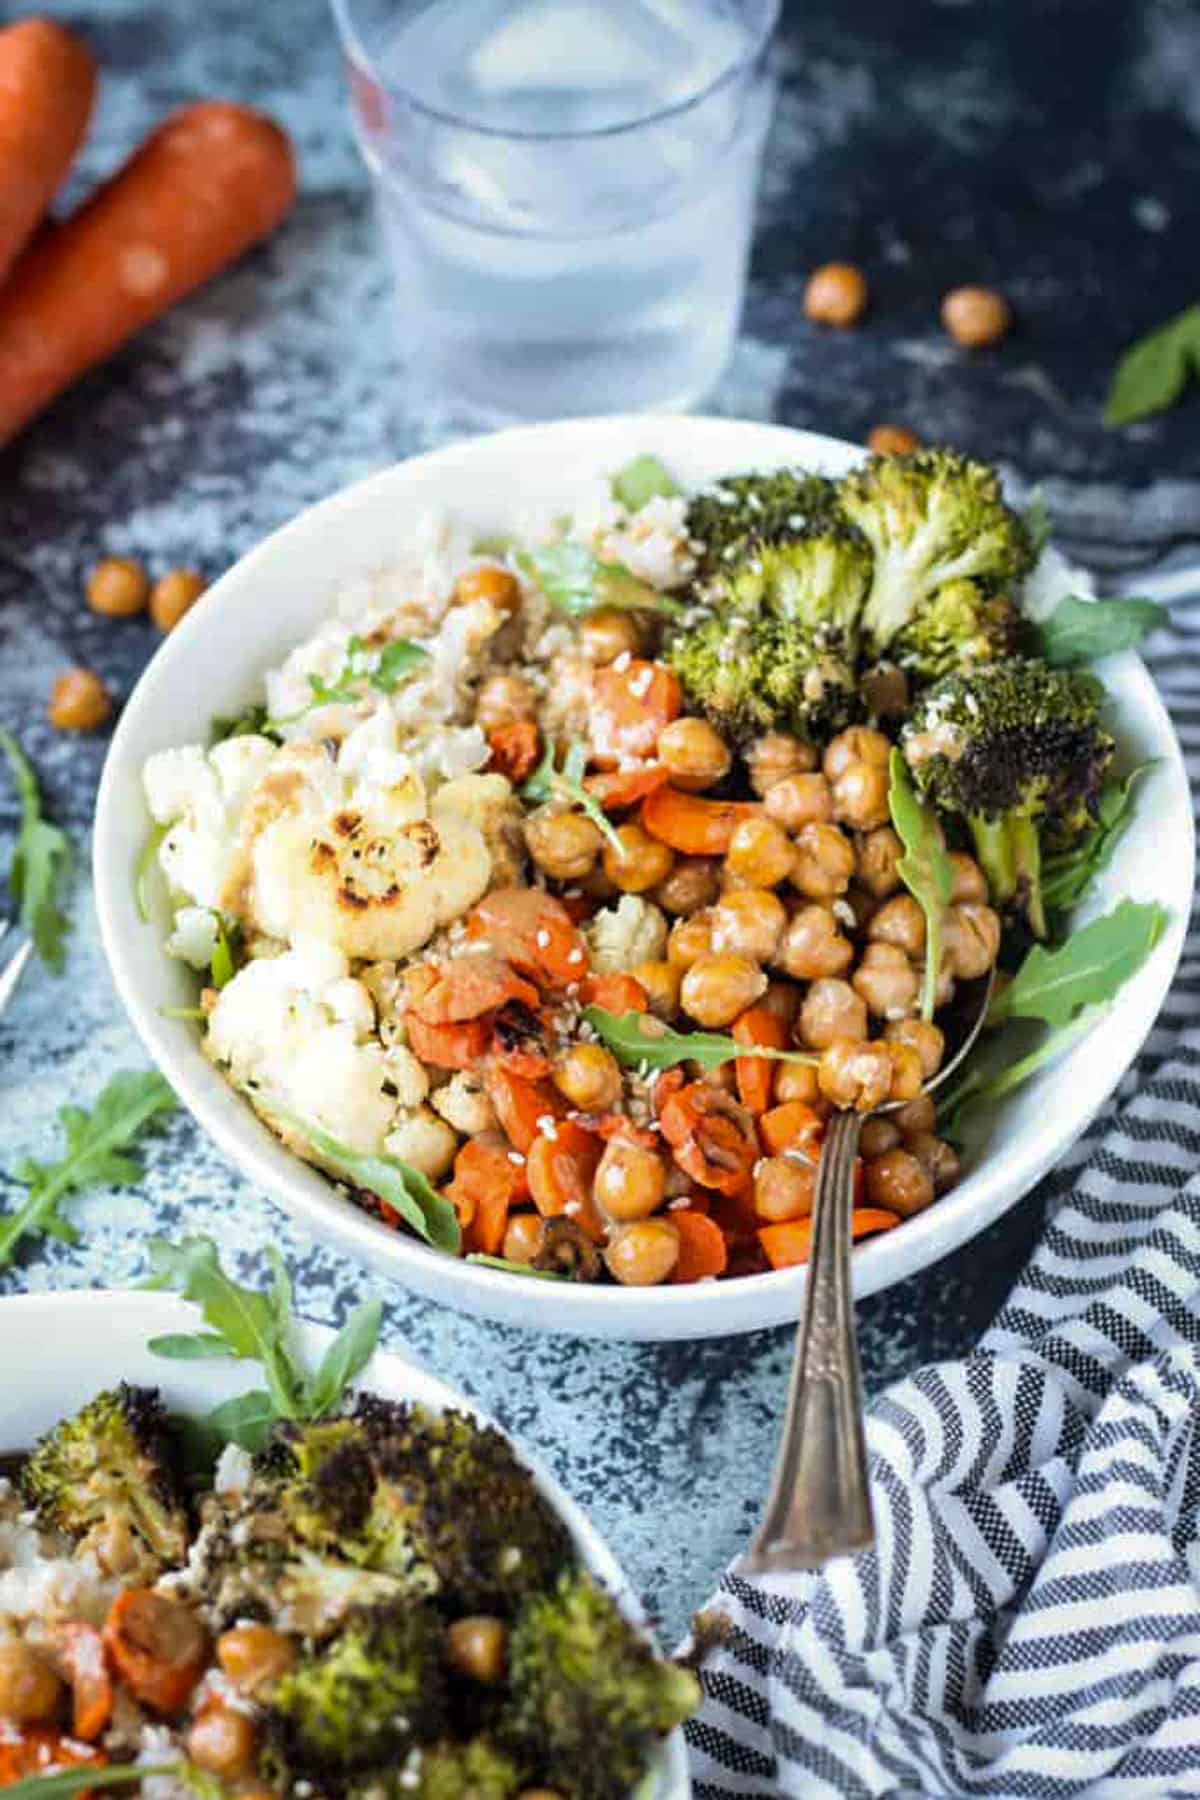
(345, 1358)
(247, 1322)
(1079, 631)
(577, 582)
(635, 1038)
(548, 779)
(41, 863)
(97, 1143)
(976, 1086)
(514, 1268)
(252, 721)
(1088, 970)
(144, 868)
(63, 1783)
(189, 1346)
(925, 869)
(1067, 876)
(226, 957)
(411, 1194)
(1038, 524)
(1153, 372)
(246, 1419)
(640, 480)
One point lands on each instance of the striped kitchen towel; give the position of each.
(1029, 1621)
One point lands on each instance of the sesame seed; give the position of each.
(515, 1157)
(575, 956)
(542, 939)
(622, 662)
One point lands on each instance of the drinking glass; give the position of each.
(566, 189)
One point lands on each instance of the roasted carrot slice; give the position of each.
(792, 1126)
(157, 1647)
(787, 1245)
(616, 993)
(514, 749)
(470, 986)
(534, 931)
(561, 1166)
(521, 1106)
(520, 1040)
(615, 788)
(711, 1137)
(620, 1125)
(759, 1026)
(702, 1252)
(81, 1653)
(36, 1749)
(691, 824)
(631, 702)
(489, 1178)
(448, 1046)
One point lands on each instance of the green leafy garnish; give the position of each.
(643, 479)
(365, 667)
(549, 781)
(62, 1783)
(497, 545)
(1088, 970)
(41, 863)
(1079, 631)
(925, 870)
(1067, 876)
(97, 1154)
(976, 1086)
(226, 956)
(1152, 374)
(514, 1268)
(247, 1325)
(252, 721)
(1039, 527)
(404, 1188)
(639, 1038)
(144, 868)
(577, 582)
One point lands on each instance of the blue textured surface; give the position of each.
(1049, 146)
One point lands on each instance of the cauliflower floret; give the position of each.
(621, 936)
(195, 937)
(424, 1141)
(489, 803)
(200, 795)
(463, 1103)
(296, 1034)
(332, 854)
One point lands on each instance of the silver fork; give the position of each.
(14, 968)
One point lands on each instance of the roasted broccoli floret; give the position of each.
(365, 1697)
(108, 1476)
(1017, 750)
(949, 556)
(474, 1770)
(779, 645)
(588, 1695)
(739, 510)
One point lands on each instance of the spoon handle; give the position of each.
(820, 1503)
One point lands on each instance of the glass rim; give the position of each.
(358, 54)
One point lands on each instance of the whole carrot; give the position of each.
(47, 85)
(212, 180)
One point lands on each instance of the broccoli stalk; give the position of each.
(1016, 750)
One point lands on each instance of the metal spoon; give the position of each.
(819, 1505)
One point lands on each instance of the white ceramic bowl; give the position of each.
(89, 1341)
(272, 598)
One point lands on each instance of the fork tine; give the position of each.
(13, 971)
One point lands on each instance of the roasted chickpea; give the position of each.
(254, 1656)
(917, 1115)
(799, 799)
(969, 881)
(643, 1254)
(860, 796)
(696, 755)
(886, 980)
(857, 744)
(760, 852)
(813, 945)
(749, 922)
(487, 581)
(718, 987)
(566, 845)
(771, 757)
(884, 691)
(878, 853)
(783, 1188)
(906, 1070)
(796, 1081)
(29, 1689)
(504, 700)
(609, 633)
(939, 1159)
(900, 922)
(972, 937)
(589, 1076)
(924, 1036)
(630, 1181)
(836, 294)
(693, 883)
(824, 862)
(832, 1012)
(690, 939)
(79, 701)
(478, 1647)
(897, 1182)
(878, 1134)
(660, 979)
(221, 1739)
(892, 440)
(523, 1238)
(643, 862)
(855, 1074)
(118, 587)
(174, 595)
(976, 316)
